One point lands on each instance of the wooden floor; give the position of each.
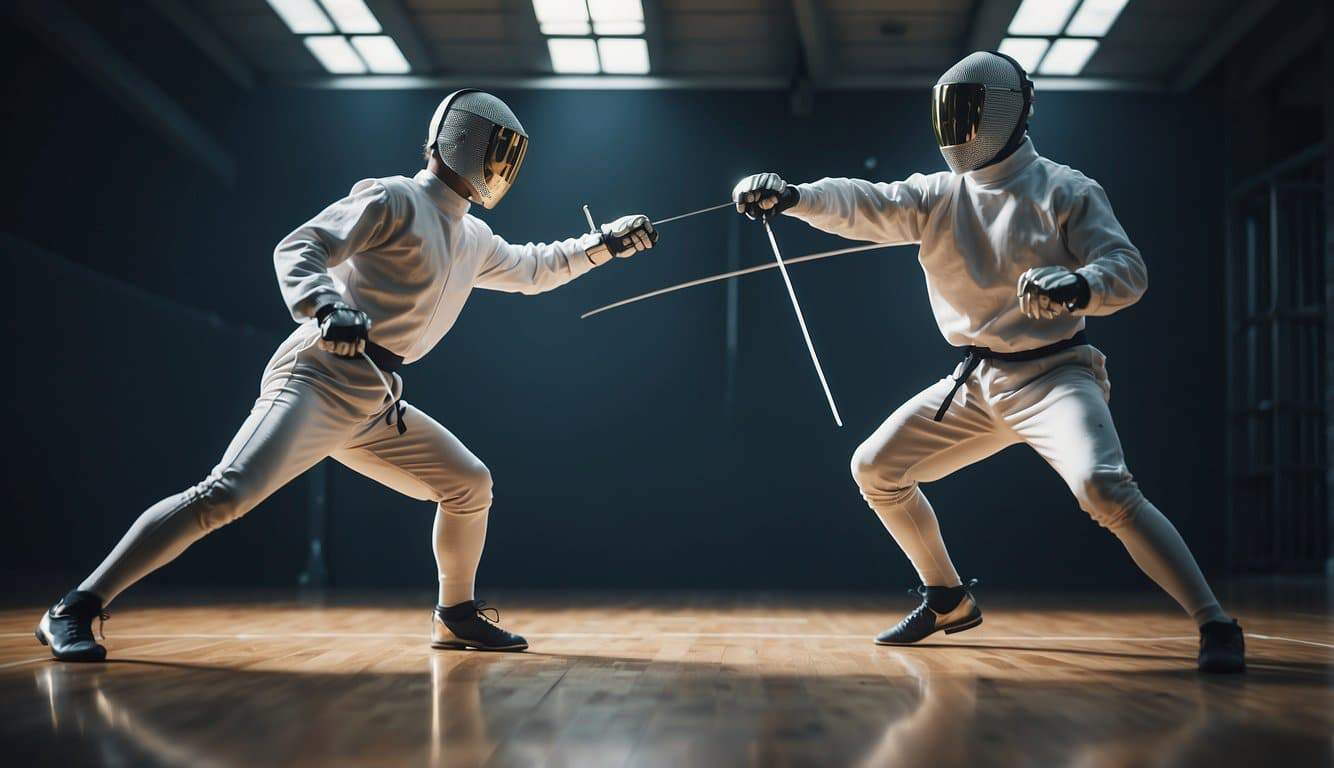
(669, 681)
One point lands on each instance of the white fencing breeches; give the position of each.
(1058, 406)
(314, 405)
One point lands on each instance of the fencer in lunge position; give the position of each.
(374, 282)
(1017, 250)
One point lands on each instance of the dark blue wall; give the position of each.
(616, 458)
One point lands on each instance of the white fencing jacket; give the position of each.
(979, 231)
(406, 252)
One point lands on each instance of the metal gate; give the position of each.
(1277, 519)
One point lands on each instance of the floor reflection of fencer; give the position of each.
(930, 735)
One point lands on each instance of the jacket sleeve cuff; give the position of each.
(805, 201)
(1094, 280)
(305, 308)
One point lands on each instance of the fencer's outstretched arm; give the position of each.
(536, 267)
(862, 210)
(360, 221)
(1113, 267)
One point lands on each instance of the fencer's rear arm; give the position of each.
(534, 267)
(863, 210)
(360, 221)
(1113, 267)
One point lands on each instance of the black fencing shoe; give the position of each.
(1222, 648)
(472, 625)
(943, 609)
(68, 628)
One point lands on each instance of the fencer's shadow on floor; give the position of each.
(470, 708)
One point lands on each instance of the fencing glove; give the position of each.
(343, 329)
(1047, 292)
(763, 195)
(623, 238)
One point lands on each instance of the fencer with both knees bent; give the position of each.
(1017, 251)
(374, 282)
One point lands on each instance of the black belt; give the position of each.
(973, 357)
(388, 362)
(384, 359)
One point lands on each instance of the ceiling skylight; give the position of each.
(336, 54)
(303, 17)
(381, 54)
(588, 37)
(352, 17)
(1045, 37)
(360, 47)
(574, 55)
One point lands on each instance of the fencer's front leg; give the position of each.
(1049, 292)
(623, 238)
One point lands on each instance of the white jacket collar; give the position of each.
(446, 199)
(1022, 157)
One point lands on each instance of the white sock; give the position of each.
(459, 539)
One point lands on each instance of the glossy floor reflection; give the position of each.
(665, 681)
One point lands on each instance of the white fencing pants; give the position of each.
(314, 405)
(1058, 406)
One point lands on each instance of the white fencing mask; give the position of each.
(479, 138)
(980, 109)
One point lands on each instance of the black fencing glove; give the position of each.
(1047, 292)
(624, 238)
(343, 329)
(763, 195)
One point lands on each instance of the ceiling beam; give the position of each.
(201, 34)
(653, 37)
(54, 23)
(397, 24)
(991, 18)
(1295, 40)
(1220, 41)
(813, 32)
(526, 34)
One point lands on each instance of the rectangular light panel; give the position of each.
(560, 11)
(1025, 50)
(618, 27)
(1041, 17)
(624, 55)
(352, 16)
(573, 56)
(1068, 56)
(381, 54)
(577, 28)
(303, 17)
(336, 54)
(1095, 17)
